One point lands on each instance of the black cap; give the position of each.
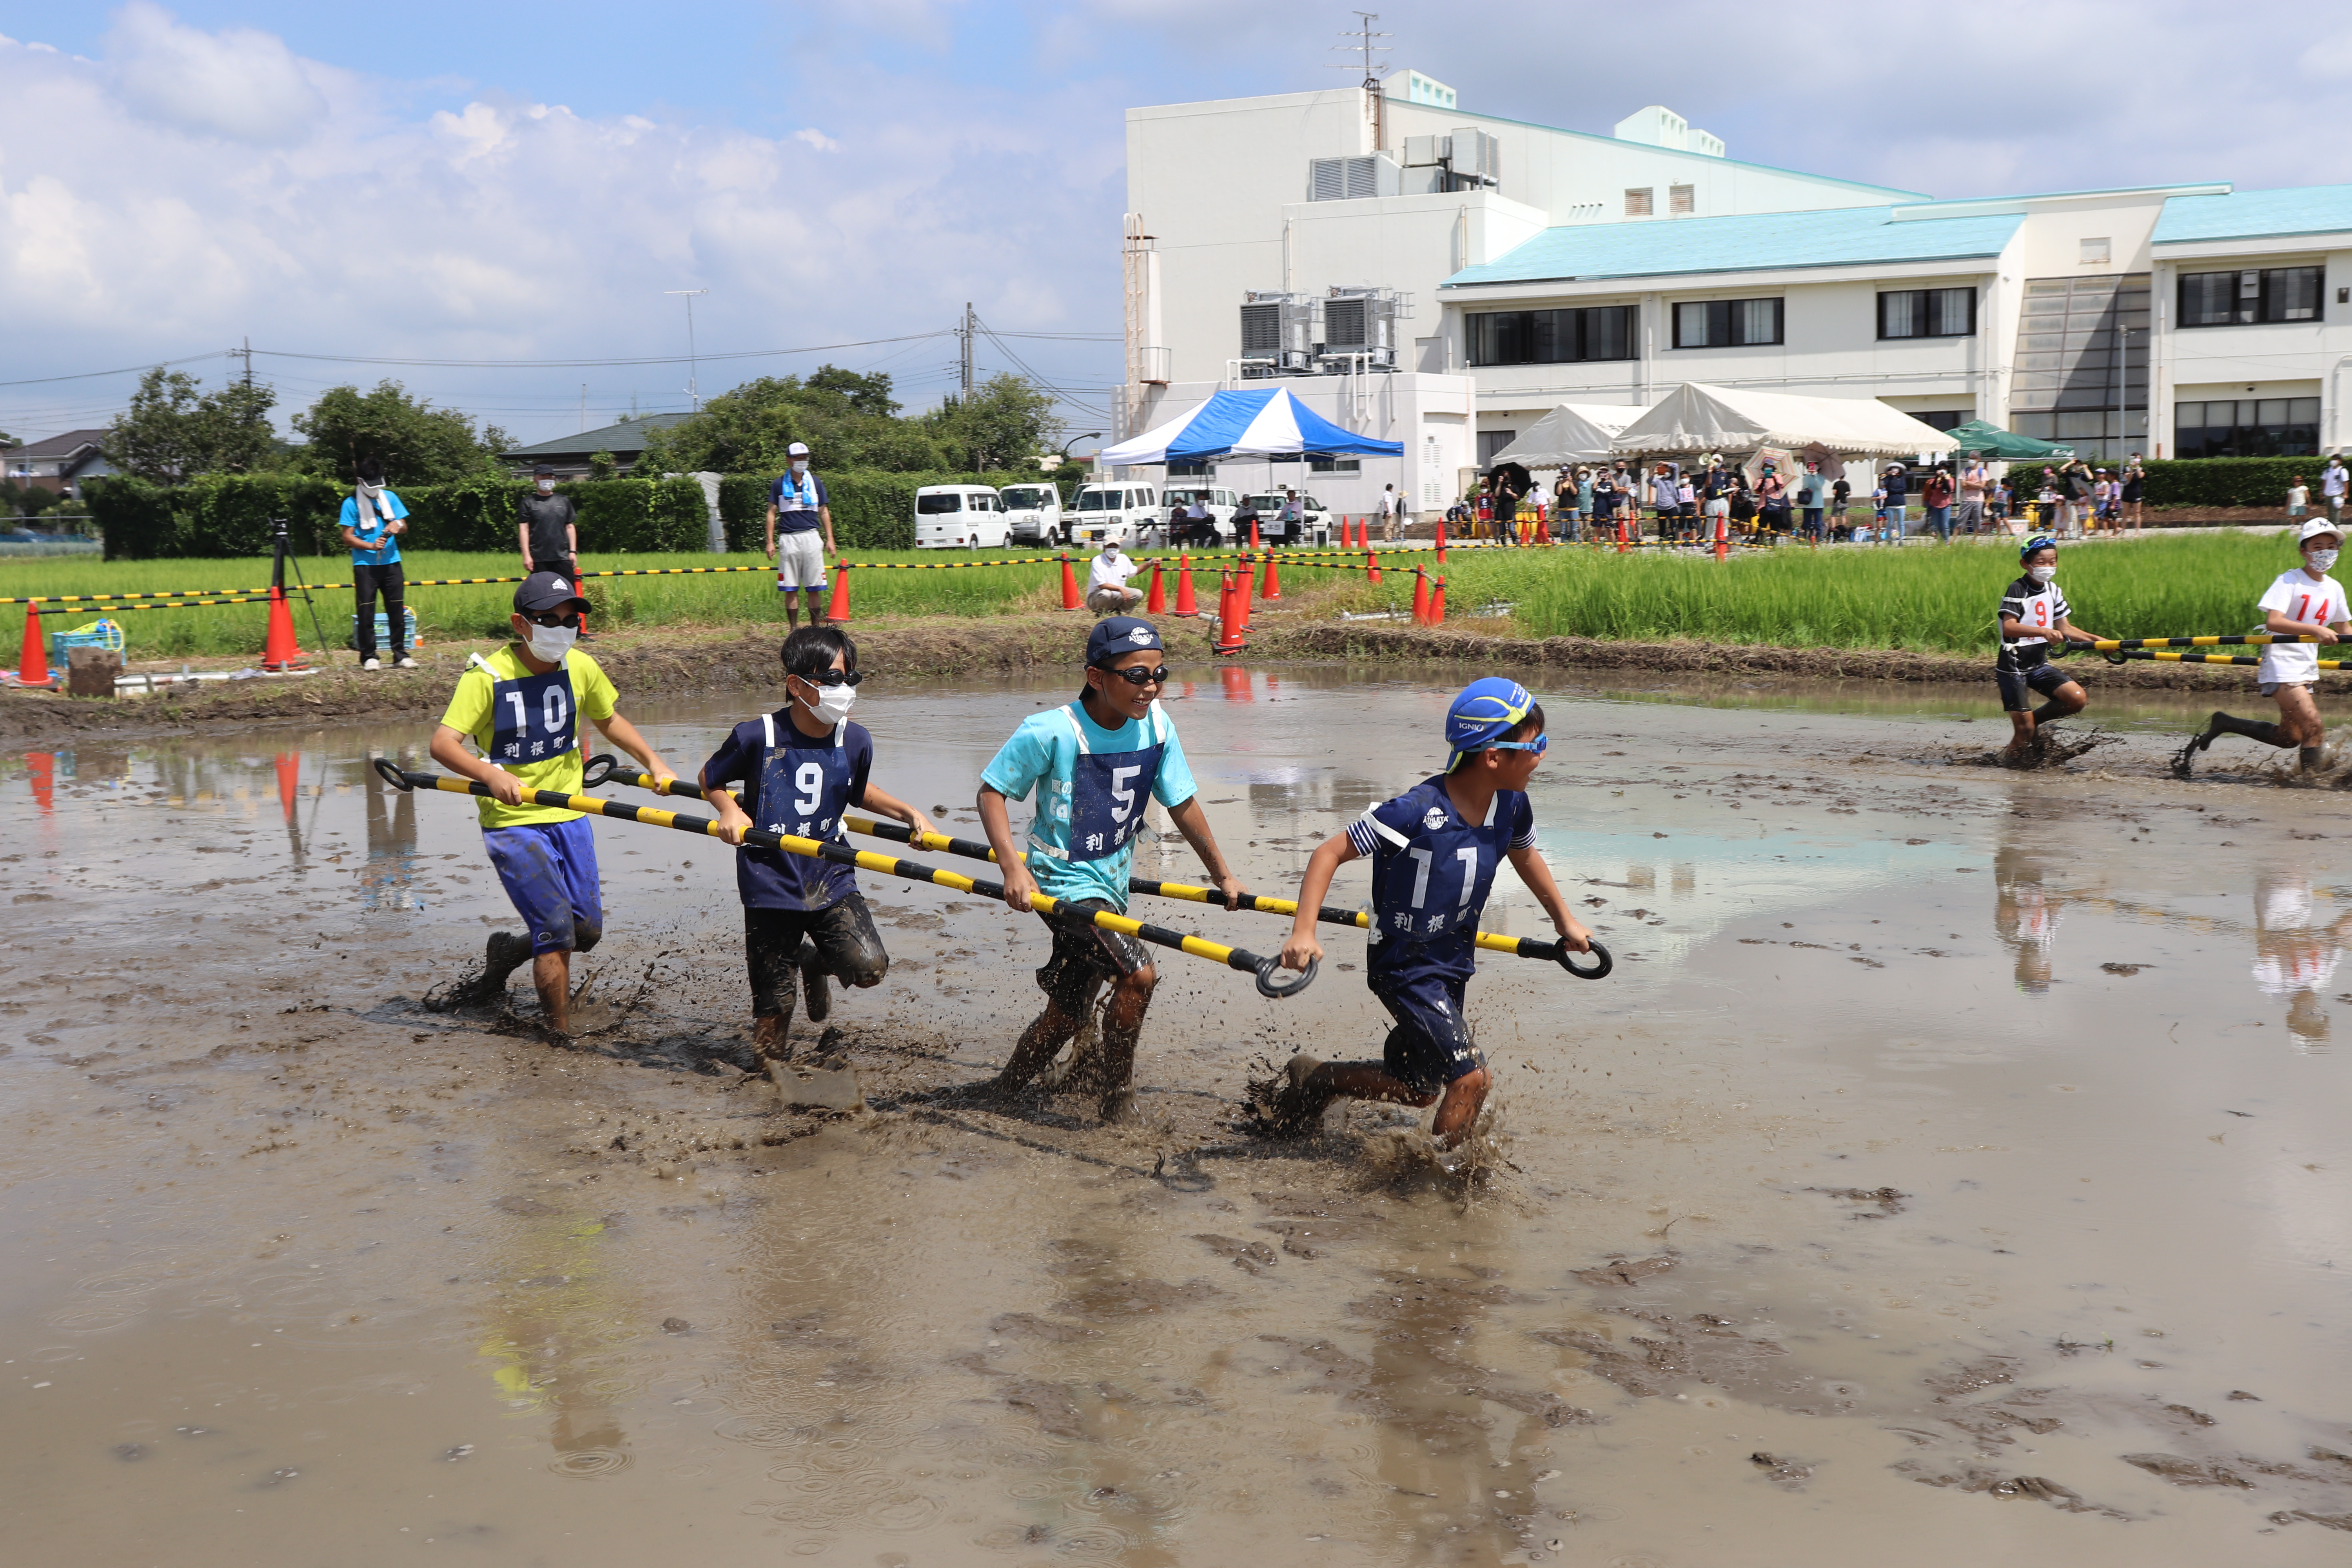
(545, 470)
(544, 591)
(1116, 636)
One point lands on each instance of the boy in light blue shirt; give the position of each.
(1092, 763)
(373, 519)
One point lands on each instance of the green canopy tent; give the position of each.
(1978, 439)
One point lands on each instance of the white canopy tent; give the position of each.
(1696, 417)
(1570, 433)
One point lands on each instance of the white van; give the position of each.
(1120, 511)
(959, 517)
(1033, 514)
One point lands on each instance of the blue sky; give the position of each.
(523, 180)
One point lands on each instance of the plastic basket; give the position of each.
(102, 633)
(383, 629)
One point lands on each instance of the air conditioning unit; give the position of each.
(1422, 152)
(1278, 330)
(1360, 325)
(1476, 157)
(1348, 179)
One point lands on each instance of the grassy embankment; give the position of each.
(1920, 597)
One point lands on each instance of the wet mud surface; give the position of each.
(1954, 1167)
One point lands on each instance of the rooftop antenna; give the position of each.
(1365, 46)
(693, 378)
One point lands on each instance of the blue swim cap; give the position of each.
(1487, 708)
(2039, 542)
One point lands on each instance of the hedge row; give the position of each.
(231, 515)
(2230, 481)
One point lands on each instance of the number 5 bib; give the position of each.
(1107, 792)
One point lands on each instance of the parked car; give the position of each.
(959, 517)
(1113, 510)
(1034, 515)
(1314, 522)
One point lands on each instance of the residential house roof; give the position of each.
(1751, 242)
(55, 446)
(623, 441)
(2253, 214)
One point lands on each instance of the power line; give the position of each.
(126, 370)
(590, 364)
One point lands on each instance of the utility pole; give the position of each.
(584, 408)
(965, 333)
(693, 377)
(247, 352)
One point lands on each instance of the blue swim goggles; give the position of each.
(1538, 745)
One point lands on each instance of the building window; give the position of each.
(2081, 365)
(2095, 252)
(1927, 314)
(1682, 200)
(1727, 324)
(1491, 442)
(1188, 470)
(1941, 419)
(1334, 465)
(2239, 299)
(1639, 204)
(2247, 427)
(1551, 337)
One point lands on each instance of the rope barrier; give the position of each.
(1556, 951)
(1264, 969)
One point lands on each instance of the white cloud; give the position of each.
(244, 85)
(817, 139)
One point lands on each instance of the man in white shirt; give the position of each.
(1107, 590)
(1388, 514)
(2306, 602)
(1973, 481)
(2333, 480)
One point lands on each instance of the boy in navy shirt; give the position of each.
(1435, 850)
(801, 767)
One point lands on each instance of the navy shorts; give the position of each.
(2015, 685)
(550, 872)
(1430, 1045)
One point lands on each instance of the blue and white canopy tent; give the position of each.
(1255, 423)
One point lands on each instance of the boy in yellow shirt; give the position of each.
(521, 707)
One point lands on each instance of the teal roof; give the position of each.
(1841, 236)
(2250, 214)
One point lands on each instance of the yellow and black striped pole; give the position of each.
(605, 768)
(2213, 657)
(1263, 969)
(2250, 639)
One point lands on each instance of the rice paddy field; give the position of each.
(1927, 597)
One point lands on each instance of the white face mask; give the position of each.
(832, 704)
(2041, 573)
(2321, 560)
(800, 464)
(547, 487)
(549, 644)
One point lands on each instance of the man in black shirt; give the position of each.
(545, 529)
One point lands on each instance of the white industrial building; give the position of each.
(1426, 274)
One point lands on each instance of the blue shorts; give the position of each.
(550, 872)
(1430, 1045)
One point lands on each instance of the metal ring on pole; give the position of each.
(391, 775)
(1599, 971)
(600, 769)
(1268, 968)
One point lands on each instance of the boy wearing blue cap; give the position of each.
(2033, 613)
(1092, 763)
(1435, 850)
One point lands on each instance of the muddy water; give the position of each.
(1954, 1170)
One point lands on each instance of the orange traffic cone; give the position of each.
(33, 663)
(1271, 589)
(1622, 545)
(837, 611)
(1441, 542)
(1070, 600)
(1156, 604)
(1186, 606)
(1371, 568)
(1420, 597)
(1229, 628)
(1437, 603)
(1722, 538)
(278, 649)
(1253, 542)
(1244, 586)
(1543, 530)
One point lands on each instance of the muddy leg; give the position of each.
(1465, 1097)
(2222, 724)
(1045, 1036)
(1122, 1023)
(551, 977)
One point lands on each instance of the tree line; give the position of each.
(175, 430)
